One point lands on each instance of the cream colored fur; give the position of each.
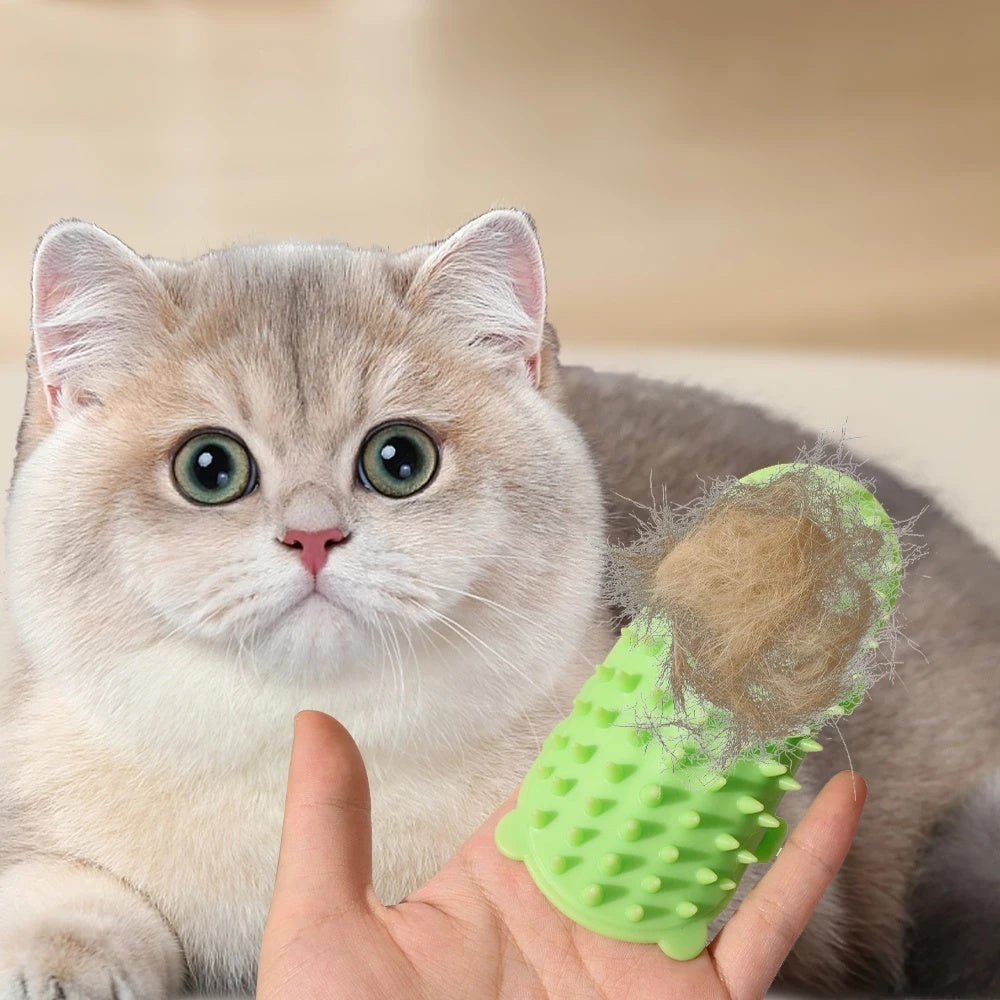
(164, 648)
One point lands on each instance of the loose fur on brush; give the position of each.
(772, 592)
(162, 648)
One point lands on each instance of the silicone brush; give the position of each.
(644, 846)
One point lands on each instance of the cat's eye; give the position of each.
(397, 460)
(213, 467)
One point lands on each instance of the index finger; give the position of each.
(749, 950)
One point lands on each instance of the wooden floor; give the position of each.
(805, 175)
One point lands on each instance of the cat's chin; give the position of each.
(315, 638)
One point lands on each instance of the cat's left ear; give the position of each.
(488, 281)
(96, 307)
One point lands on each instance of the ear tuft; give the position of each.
(95, 308)
(489, 281)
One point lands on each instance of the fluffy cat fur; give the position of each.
(163, 648)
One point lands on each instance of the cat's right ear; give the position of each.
(96, 306)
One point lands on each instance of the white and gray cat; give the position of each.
(307, 476)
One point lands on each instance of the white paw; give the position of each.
(60, 963)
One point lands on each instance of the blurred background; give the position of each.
(821, 175)
(795, 201)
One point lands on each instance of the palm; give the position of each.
(481, 928)
(506, 939)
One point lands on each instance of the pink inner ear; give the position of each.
(529, 284)
(51, 289)
(529, 287)
(55, 281)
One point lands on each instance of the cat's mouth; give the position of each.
(316, 598)
(319, 600)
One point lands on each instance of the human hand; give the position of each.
(481, 928)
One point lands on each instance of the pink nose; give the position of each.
(313, 546)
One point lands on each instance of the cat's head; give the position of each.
(313, 456)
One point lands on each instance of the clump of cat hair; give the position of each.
(775, 594)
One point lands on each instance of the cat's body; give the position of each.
(144, 738)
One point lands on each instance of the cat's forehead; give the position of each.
(300, 342)
(292, 291)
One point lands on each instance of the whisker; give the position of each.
(472, 638)
(483, 600)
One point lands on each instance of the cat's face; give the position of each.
(316, 458)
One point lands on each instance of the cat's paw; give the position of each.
(61, 963)
(69, 931)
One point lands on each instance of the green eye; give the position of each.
(397, 460)
(213, 467)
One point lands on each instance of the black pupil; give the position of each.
(400, 458)
(212, 467)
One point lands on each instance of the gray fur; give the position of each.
(956, 904)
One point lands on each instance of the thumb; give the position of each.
(325, 861)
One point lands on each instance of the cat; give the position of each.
(297, 476)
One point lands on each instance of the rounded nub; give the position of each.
(771, 768)
(611, 864)
(614, 772)
(541, 818)
(689, 820)
(651, 795)
(562, 786)
(632, 830)
(625, 681)
(604, 717)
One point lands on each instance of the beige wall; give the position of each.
(821, 174)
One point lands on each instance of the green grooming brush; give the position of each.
(629, 821)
